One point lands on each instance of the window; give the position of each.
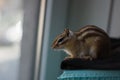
(11, 18)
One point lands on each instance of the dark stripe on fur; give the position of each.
(90, 28)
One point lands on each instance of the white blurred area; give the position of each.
(10, 43)
(13, 34)
(11, 15)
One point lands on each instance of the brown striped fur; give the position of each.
(91, 30)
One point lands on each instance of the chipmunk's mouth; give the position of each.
(57, 48)
(53, 46)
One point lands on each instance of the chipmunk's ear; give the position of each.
(68, 32)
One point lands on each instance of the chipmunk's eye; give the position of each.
(61, 39)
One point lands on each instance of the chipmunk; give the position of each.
(90, 42)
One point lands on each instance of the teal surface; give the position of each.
(90, 75)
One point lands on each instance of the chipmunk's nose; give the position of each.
(53, 46)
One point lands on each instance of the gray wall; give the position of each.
(83, 12)
(115, 20)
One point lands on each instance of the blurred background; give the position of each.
(11, 17)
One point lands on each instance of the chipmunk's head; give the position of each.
(61, 40)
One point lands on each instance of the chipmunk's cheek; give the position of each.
(61, 47)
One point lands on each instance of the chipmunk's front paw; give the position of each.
(87, 58)
(68, 57)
